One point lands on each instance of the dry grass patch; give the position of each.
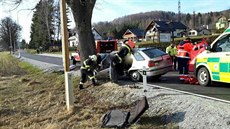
(37, 100)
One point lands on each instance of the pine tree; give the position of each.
(42, 26)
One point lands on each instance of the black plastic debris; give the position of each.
(120, 119)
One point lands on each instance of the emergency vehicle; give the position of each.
(102, 46)
(214, 63)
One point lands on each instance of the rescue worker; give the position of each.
(117, 58)
(183, 56)
(87, 70)
(172, 51)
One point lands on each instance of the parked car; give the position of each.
(154, 60)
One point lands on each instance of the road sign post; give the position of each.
(144, 79)
(65, 52)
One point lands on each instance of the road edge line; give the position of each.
(189, 93)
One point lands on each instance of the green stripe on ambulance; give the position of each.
(213, 59)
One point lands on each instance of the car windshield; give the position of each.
(152, 53)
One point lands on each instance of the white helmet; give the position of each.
(93, 57)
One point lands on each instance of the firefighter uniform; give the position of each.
(183, 57)
(87, 70)
(116, 60)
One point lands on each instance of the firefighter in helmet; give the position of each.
(87, 70)
(117, 60)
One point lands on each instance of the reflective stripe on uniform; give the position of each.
(129, 51)
(128, 48)
(91, 77)
(183, 54)
(85, 66)
(120, 60)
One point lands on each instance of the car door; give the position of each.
(220, 59)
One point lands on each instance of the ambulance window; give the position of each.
(223, 44)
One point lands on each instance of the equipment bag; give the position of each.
(191, 80)
(121, 119)
(115, 119)
(136, 112)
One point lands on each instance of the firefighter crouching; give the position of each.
(87, 70)
(117, 59)
(183, 56)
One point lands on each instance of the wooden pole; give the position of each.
(65, 45)
(65, 52)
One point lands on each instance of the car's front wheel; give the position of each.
(203, 77)
(135, 76)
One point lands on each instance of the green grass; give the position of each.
(31, 51)
(12, 66)
(29, 68)
(9, 65)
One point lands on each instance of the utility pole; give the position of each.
(19, 51)
(179, 13)
(11, 44)
(65, 52)
(10, 34)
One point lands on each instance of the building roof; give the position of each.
(137, 32)
(178, 25)
(163, 26)
(166, 25)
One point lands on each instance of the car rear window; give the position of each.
(152, 53)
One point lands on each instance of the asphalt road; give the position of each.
(47, 59)
(169, 80)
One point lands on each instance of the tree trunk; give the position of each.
(82, 13)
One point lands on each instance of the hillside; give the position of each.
(141, 20)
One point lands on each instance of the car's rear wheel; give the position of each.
(135, 76)
(203, 77)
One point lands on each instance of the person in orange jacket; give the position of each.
(183, 56)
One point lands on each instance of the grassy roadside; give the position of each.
(32, 99)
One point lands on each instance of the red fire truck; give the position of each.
(102, 46)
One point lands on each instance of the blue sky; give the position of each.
(107, 10)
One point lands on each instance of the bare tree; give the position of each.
(82, 13)
(9, 32)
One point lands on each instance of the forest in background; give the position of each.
(118, 26)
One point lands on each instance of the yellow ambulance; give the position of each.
(214, 63)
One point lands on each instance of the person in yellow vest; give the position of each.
(117, 58)
(172, 51)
